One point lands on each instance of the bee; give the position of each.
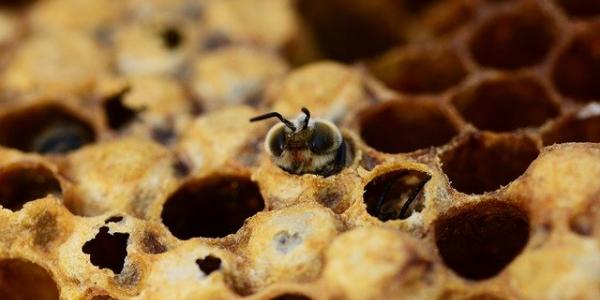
(305, 145)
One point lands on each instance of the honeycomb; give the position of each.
(129, 168)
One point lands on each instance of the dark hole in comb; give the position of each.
(171, 38)
(483, 163)
(478, 241)
(211, 207)
(580, 8)
(574, 129)
(21, 279)
(17, 4)
(118, 115)
(208, 264)
(20, 184)
(113, 219)
(506, 104)
(291, 296)
(395, 195)
(107, 251)
(421, 70)
(405, 126)
(513, 40)
(344, 32)
(576, 72)
(45, 129)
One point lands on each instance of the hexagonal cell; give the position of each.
(350, 30)
(515, 39)
(506, 104)
(580, 127)
(212, 207)
(395, 195)
(21, 279)
(45, 129)
(478, 241)
(580, 8)
(424, 69)
(21, 183)
(484, 162)
(576, 72)
(446, 17)
(404, 126)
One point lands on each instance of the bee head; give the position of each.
(301, 142)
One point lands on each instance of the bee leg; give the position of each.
(381, 199)
(409, 201)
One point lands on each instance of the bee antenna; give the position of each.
(307, 113)
(277, 115)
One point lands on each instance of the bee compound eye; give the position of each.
(324, 138)
(276, 140)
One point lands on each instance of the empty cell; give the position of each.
(348, 31)
(21, 279)
(425, 69)
(21, 183)
(45, 129)
(506, 104)
(211, 207)
(406, 126)
(578, 127)
(580, 8)
(478, 241)
(483, 163)
(576, 72)
(512, 40)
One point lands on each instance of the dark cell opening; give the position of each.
(395, 195)
(345, 32)
(291, 296)
(118, 115)
(406, 126)
(576, 73)
(22, 183)
(574, 129)
(580, 8)
(420, 70)
(208, 264)
(513, 40)
(20, 5)
(506, 104)
(484, 163)
(480, 240)
(45, 129)
(418, 5)
(171, 38)
(107, 251)
(21, 279)
(211, 207)
(113, 219)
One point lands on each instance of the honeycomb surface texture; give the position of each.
(129, 168)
